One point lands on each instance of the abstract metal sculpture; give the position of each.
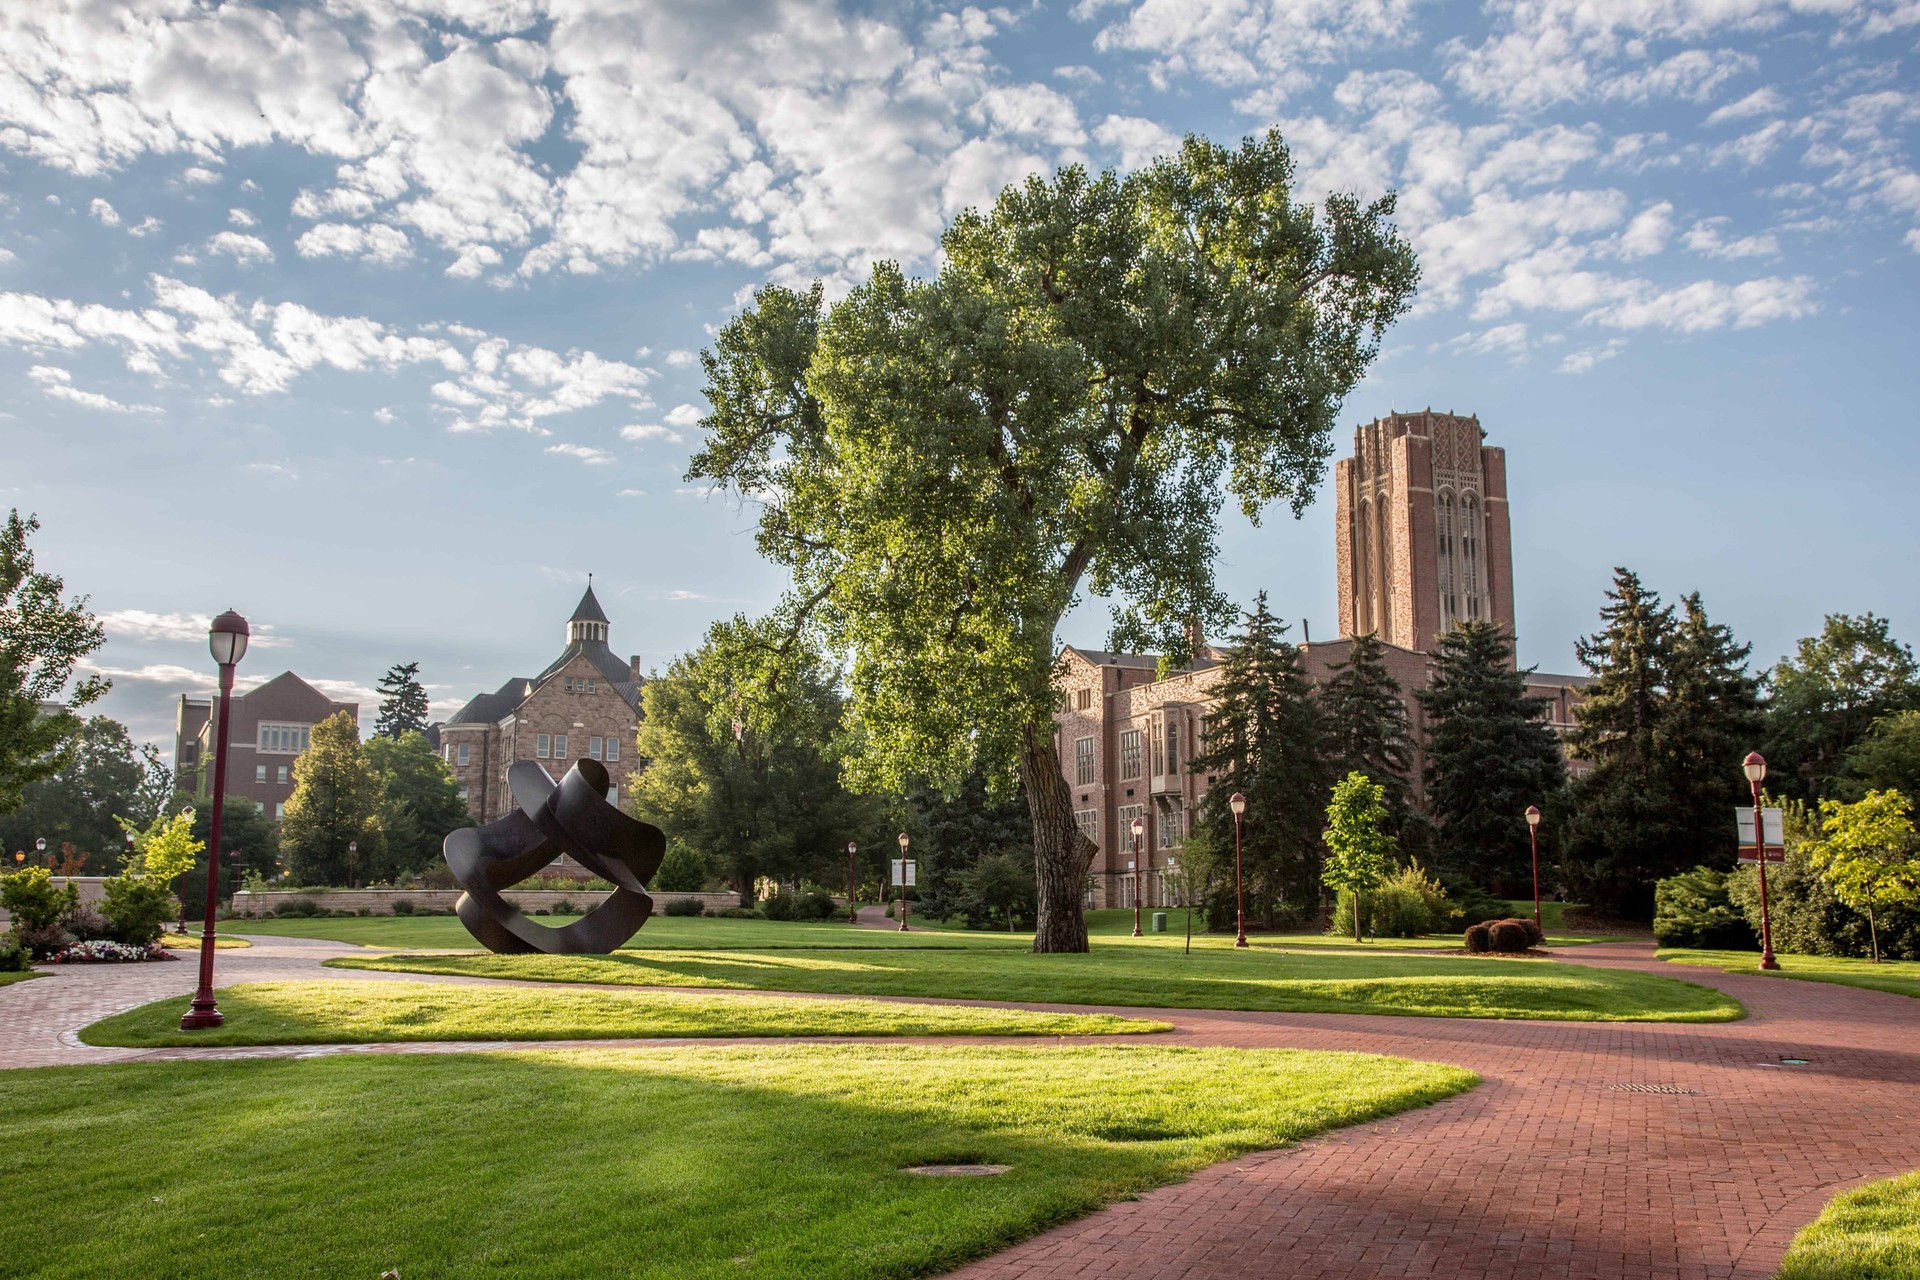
(571, 817)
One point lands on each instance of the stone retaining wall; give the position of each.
(91, 894)
(380, 902)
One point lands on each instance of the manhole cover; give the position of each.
(1652, 1088)
(1793, 1062)
(958, 1170)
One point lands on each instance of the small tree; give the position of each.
(1358, 845)
(403, 702)
(336, 795)
(1868, 853)
(1195, 873)
(998, 884)
(42, 639)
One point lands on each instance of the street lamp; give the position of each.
(40, 848)
(903, 882)
(227, 641)
(1139, 881)
(1755, 767)
(1238, 803)
(353, 849)
(1533, 837)
(853, 912)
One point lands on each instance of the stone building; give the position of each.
(271, 726)
(1423, 544)
(585, 704)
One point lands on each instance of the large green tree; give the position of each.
(1888, 758)
(403, 701)
(42, 640)
(768, 802)
(1711, 720)
(249, 845)
(103, 779)
(1265, 740)
(335, 803)
(1490, 754)
(1824, 698)
(953, 833)
(1365, 718)
(419, 804)
(945, 465)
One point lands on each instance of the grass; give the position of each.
(1902, 977)
(191, 942)
(6, 978)
(686, 1162)
(347, 1012)
(1553, 915)
(1450, 986)
(661, 932)
(1872, 1233)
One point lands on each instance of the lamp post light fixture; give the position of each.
(1238, 803)
(853, 911)
(40, 848)
(353, 851)
(1755, 767)
(1533, 837)
(903, 882)
(19, 856)
(227, 641)
(1137, 827)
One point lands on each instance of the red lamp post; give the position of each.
(227, 640)
(1238, 803)
(1533, 837)
(1138, 826)
(903, 882)
(1755, 767)
(353, 854)
(853, 912)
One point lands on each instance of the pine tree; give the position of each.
(1264, 740)
(336, 797)
(1711, 720)
(403, 702)
(1365, 719)
(1490, 754)
(1619, 716)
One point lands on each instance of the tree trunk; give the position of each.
(1061, 854)
(1356, 915)
(1873, 932)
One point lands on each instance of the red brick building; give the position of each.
(583, 704)
(271, 725)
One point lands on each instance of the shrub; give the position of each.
(683, 870)
(138, 908)
(298, 908)
(86, 924)
(41, 940)
(1509, 937)
(14, 958)
(28, 894)
(779, 905)
(403, 906)
(682, 907)
(740, 913)
(562, 907)
(1480, 938)
(1692, 909)
(815, 904)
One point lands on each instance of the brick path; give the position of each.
(1548, 1168)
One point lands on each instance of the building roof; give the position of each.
(1103, 658)
(1563, 682)
(605, 660)
(588, 610)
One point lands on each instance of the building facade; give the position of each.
(585, 704)
(1423, 545)
(271, 726)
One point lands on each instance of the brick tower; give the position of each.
(1424, 538)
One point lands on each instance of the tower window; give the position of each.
(462, 756)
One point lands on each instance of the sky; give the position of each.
(378, 320)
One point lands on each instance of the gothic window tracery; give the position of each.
(1444, 527)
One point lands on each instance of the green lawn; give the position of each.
(693, 1161)
(347, 1012)
(1872, 1233)
(1112, 974)
(5, 978)
(1902, 977)
(706, 933)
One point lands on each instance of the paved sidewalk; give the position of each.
(1701, 1170)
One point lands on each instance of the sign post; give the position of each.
(1773, 829)
(1760, 827)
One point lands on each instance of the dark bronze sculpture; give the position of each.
(570, 817)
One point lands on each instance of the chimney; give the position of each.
(633, 667)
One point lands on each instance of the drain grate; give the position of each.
(1652, 1088)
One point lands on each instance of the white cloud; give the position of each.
(651, 431)
(373, 242)
(243, 249)
(104, 212)
(685, 415)
(1761, 102)
(384, 416)
(58, 384)
(585, 453)
(200, 176)
(145, 227)
(1271, 43)
(631, 493)
(141, 625)
(1504, 339)
(1705, 237)
(1586, 358)
(1136, 140)
(682, 359)
(242, 218)
(1649, 231)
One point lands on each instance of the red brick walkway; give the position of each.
(1549, 1168)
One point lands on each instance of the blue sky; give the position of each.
(376, 320)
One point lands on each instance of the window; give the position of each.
(1082, 699)
(463, 798)
(1443, 521)
(259, 773)
(1170, 827)
(593, 748)
(462, 757)
(559, 746)
(613, 748)
(1470, 554)
(613, 796)
(1083, 760)
(542, 746)
(1088, 820)
(283, 775)
(279, 810)
(189, 753)
(446, 753)
(1130, 754)
(1125, 815)
(589, 684)
(283, 739)
(1173, 746)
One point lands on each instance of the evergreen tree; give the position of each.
(1710, 722)
(419, 805)
(336, 802)
(1828, 694)
(952, 834)
(403, 702)
(1619, 717)
(1264, 739)
(1490, 754)
(1365, 719)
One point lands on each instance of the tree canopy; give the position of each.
(103, 778)
(419, 804)
(1869, 853)
(1358, 846)
(1825, 697)
(336, 802)
(944, 465)
(42, 640)
(403, 702)
(1365, 720)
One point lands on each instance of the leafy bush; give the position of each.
(1692, 909)
(815, 904)
(1808, 919)
(299, 908)
(683, 870)
(1509, 937)
(741, 913)
(562, 907)
(86, 925)
(138, 908)
(1468, 902)
(778, 905)
(41, 940)
(14, 958)
(29, 895)
(682, 907)
(1479, 938)
(403, 906)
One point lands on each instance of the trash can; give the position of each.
(1159, 922)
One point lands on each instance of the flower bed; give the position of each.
(102, 952)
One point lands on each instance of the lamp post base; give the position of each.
(203, 1015)
(1768, 962)
(1240, 941)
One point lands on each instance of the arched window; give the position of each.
(1444, 530)
(1363, 570)
(1470, 553)
(1381, 542)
